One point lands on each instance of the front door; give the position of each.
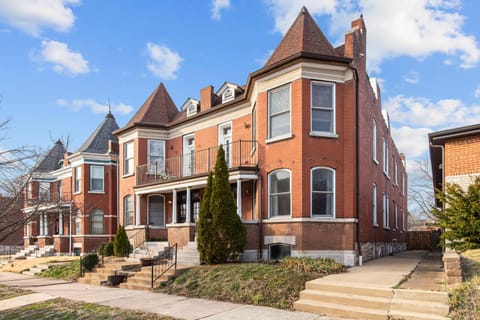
(225, 140)
(188, 155)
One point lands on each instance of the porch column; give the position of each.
(45, 224)
(40, 223)
(60, 223)
(188, 218)
(174, 206)
(137, 210)
(239, 198)
(28, 229)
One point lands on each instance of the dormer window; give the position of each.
(228, 95)
(191, 109)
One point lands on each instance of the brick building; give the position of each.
(72, 198)
(454, 155)
(313, 166)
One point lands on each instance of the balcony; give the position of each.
(238, 154)
(49, 198)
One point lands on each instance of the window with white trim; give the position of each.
(44, 191)
(78, 222)
(374, 205)
(279, 193)
(156, 156)
(395, 214)
(386, 218)
(128, 158)
(323, 192)
(385, 157)
(279, 112)
(395, 172)
(77, 173)
(128, 211)
(96, 221)
(97, 178)
(374, 140)
(254, 127)
(323, 107)
(404, 219)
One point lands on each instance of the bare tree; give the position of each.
(420, 190)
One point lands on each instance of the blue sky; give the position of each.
(62, 60)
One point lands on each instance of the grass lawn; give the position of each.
(68, 271)
(66, 309)
(11, 292)
(273, 285)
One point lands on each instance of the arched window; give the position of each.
(128, 210)
(323, 192)
(96, 221)
(156, 210)
(279, 193)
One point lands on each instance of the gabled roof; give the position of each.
(50, 161)
(304, 36)
(98, 140)
(158, 109)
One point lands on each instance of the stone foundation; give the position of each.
(453, 268)
(373, 250)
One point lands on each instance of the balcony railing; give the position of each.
(45, 198)
(238, 154)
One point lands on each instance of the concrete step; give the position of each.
(421, 295)
(347, 288)
(412, 306)
(346, 299)
(415, 316)
(95, 282)
(29, 273)
(339, 310)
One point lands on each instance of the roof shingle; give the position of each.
(98, 140)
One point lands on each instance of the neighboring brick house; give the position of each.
(72, 198)
(11, 232)
(454, 156)
(313, 166)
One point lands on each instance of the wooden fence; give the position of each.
(423, 240)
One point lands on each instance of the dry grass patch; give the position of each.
(12, 292)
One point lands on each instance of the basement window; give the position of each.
(278, 251)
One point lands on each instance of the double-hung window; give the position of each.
(128, 210)
(374, 140)
(96, 178)
(385, 157)
(374, 205)
(323, 192)
(279, 193)
(323, 107)
(77, 179)
(279, 112)
(96, 221)
(386, 214)
(156, 156)
(128, 158)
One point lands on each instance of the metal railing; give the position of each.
(49, 197)
(138, 238)
(164, 262)
(240, 153)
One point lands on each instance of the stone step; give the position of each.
(415, 316)
(95, 282)
(346, 299)
(412, 306)
(339, 310)
(422, 295)
(347, 288)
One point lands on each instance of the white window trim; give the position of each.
(125, 211)
(374, 205)
(75, 175)
(333, 133)
(148, 210)
(103, 180)
(283, 136)
(334, 206)
(374, 142)
(253, 117)
(148, 152)
(395, 213)
(132, 172)
(386, 158)
(91, 221)
(386, 213)
(290, 191)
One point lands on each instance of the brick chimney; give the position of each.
(206, 98)
(356, 43)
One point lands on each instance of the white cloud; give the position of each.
(63, 59)
(413, 142)
(412, 77)
(164, 63)
(477, 92)
(95, 107)
(33, 16)
(411, 28)
(218, 6)
(441, 114)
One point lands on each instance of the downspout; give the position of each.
(357, 165)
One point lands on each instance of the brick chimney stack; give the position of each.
(206, 98)
(356, 43)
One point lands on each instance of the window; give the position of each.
(386, 221)
(96, 178)
(228, 95)
(96, 221)
(156, 156)
(404, 219)
(59, 189)
(395, 172)
(44, 191)
(156, 211)
(374, 141)
(374, 205)
(78, 178)
(323, 107)
(128, 210)
(128, 158)
(395, 214)
(403, 184)
(254, 127)
(279, 251)
(78, 222)
(279, 112)
(385, 157)
(192, 109)
(279, 193)
(323, 192)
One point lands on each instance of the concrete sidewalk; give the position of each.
(385, 272)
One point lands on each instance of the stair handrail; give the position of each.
(139, 238)
(165, 261)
